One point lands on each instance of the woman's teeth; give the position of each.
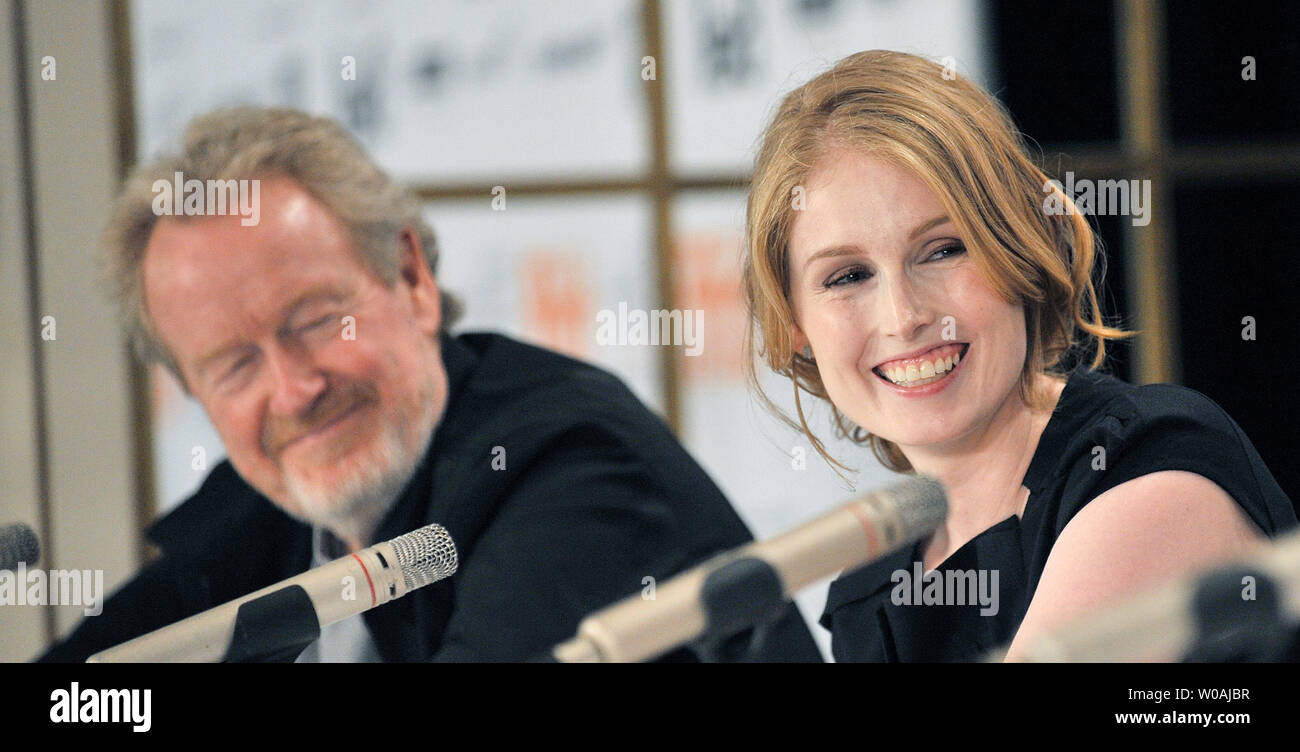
(927, 372)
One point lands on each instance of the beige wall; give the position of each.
(66, 462)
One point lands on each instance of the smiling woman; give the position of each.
(970, 188)
(901, 267)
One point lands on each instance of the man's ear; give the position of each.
(417, 280)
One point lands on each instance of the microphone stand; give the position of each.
(1234, 629)
(274, 628)
(740, 594)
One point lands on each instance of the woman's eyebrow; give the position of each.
(836, 250)
(847, 250)
(928, 225)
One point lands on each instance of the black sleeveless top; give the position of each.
(1139, 430)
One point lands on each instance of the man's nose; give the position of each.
(296, 381)
(902, 311)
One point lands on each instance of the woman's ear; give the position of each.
(799, 342)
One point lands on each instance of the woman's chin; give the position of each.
(922, 442)
(929, 437)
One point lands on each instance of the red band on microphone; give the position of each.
(869, 530)
(373, 599)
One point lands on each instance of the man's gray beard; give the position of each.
(353, 509)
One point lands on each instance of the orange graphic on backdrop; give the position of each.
(558, 300)
(707, 276)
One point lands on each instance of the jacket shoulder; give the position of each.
(224, 510)
(536, 390)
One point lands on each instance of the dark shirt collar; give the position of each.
(1064, 424)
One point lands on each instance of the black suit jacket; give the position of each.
(595, 495)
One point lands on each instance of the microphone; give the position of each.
(373, 576)
(739, 589)
(1240, 610)
(18, 545)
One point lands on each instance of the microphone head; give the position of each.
(18, 545)
(425, 555)
(922, 505)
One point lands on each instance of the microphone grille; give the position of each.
(18, 545)
(425, 555)
(922, 505)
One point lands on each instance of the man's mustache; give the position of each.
(278, 432)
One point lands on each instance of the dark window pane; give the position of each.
(1113, 293)
(1237, 257)
(1208, 99)
(1055, 64)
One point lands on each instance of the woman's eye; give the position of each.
(848, 277)
(948, 251)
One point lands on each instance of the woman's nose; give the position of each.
(903, 311)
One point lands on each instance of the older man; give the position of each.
(315, 337)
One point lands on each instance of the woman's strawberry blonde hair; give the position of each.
(962, 144)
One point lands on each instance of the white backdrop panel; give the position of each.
(543, 268)
(439, 89)
(729, 62)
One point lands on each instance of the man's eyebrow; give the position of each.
(311, 295)
(205, 362)
(848, 250)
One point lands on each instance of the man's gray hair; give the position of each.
(257, 142)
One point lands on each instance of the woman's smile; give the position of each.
(930, 367)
